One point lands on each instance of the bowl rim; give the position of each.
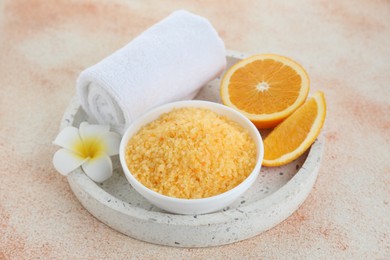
(156, 112)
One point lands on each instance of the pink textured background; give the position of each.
(345, 48)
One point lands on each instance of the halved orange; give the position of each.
(266, 88)
(291, 138)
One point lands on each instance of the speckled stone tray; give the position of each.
(277, 193)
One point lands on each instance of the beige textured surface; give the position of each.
(343, 46)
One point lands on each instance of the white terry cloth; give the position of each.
(170, 61)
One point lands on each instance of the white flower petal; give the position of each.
(65, 161)
(112, 142)
(98, 169)
(92, 131)
(67, 138)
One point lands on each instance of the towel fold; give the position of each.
(170, 61)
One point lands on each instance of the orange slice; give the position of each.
(291, 138)
(266, 88)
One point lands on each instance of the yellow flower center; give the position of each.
(90, 148)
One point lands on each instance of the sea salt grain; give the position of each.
(191, 153)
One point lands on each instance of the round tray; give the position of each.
(276, 194)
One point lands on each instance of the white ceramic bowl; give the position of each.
(193, 206)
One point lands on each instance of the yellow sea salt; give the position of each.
(191, 153)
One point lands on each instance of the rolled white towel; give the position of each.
(170, 61)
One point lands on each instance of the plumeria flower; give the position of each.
(90, 147)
